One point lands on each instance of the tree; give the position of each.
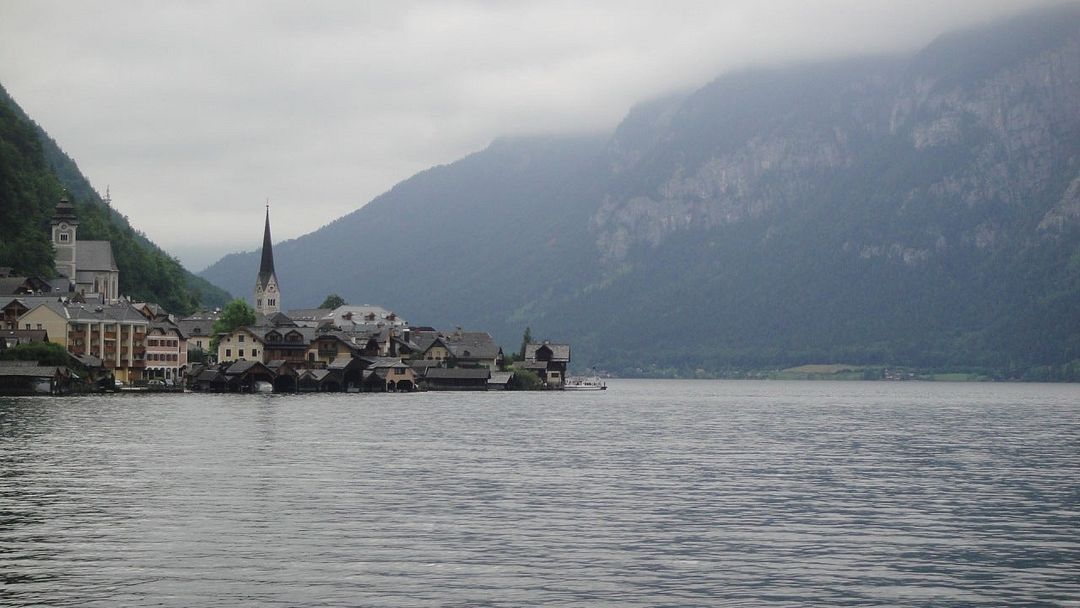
(236, 314)
(45, 353)
(333, 301)
(525, 340)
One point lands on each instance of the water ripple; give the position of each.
(651, 494)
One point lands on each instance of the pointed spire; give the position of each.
(266, 267)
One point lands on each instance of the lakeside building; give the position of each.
(267, 288)
(89, 266)
(348, 348)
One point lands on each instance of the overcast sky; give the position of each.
(195, 113)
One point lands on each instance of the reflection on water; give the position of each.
(652, 493)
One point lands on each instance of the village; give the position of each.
(113, 343)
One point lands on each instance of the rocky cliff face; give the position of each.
(1003, 131)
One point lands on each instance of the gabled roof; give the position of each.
(341, 363)
(559, 352)
(383, 362)
(196, 327)
(243, 367)
(94, 256)
(460, 344)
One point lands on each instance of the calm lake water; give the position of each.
(653, 493)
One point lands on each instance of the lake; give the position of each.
(653, 493)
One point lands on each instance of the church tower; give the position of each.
(267, 291)
(64, 225)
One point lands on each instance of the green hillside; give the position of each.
(34, 175)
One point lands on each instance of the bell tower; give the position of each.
(267, 290)
(64, 226)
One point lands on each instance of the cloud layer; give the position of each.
(196, 112)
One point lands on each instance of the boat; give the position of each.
(584, 383)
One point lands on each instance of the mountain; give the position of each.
(34, 175)
(920, 210)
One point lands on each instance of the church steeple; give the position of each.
(267, 291)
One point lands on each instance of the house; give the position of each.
(549, 361)
(287, 343)
(199, 330)
(389, 374)
(348, 371)
(500, 381)
(241, 344)
(328, 346)
(286, 377)
(29, 378)
(456, 379)
(166, 351)
(51, 316)
(10, 338)
(459, 348)
(114, 333)
(317, 380)
(244, 376)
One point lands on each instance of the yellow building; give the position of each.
(242, 343)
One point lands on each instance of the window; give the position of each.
(228, 353)
(63, 237)
(254, 353)
(258, 303)
(39, 325)
(240, 338)
(27, 326)
(241, 353)
(271, 302)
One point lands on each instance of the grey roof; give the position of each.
(242, 367)
(196, 327)
(317, 374)
(307, 335)
(88, 360)
(30, 301)
(559, 352)
(309, 314)
(23, 336)
(11, 285)
(457, 373)
(94, 255)
(340, 363)
(109, 313)
(53, 305)
(209, 375)
(280, 319)
(27, 371)
(383, 362)
(500, 377)
(461, 344)
(168, 326)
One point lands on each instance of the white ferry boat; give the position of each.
(580, 383)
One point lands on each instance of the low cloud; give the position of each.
(195, 113)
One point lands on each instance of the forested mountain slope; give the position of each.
(918, 210)
(34, 173)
